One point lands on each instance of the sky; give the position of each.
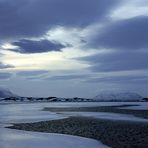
(69, 48)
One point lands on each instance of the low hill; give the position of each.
(118, 96)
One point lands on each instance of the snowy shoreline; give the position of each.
(29, 113)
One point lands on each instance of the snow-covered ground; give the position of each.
(18, 113)
(24, 116)
(22, 139)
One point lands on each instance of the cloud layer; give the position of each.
(5, 75)
(5, 66)
(128, 34)
(76, 40)
(118, 61)
(30, 46)
(28, 18)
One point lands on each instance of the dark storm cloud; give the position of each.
(67, 77)
(118, 61)
(128, 34)
(32, 73)
(5, 66)
(5, 75)
(30, 46)
(28, 18)
(119, 79)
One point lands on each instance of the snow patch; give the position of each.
(10, 138)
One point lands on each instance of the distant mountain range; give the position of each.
(105, 96)
(41, 99)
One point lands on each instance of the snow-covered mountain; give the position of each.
(6, 93)
(7, 96)
(118, 96)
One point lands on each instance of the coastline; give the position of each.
(113, 133)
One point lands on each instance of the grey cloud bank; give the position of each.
(27, 18)
(128, 34)
(118, 61)
(5, 66)
(25, 24)
(5, 75)
(67, 77)
(30, 46)
(120, 79)
(32, 73)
